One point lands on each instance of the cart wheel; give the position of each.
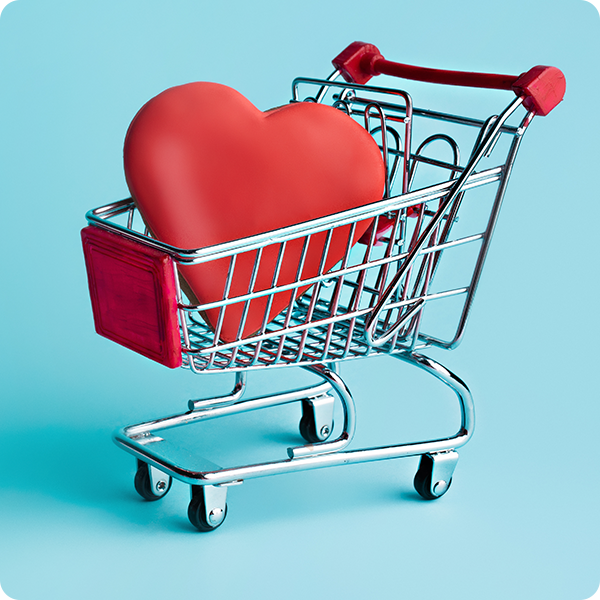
(308, 425)
(307, 429)
(148, 488)
(198, 517)
(424, 484)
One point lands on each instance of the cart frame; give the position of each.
(373, 304)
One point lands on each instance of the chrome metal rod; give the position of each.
(432, 114)
(344, 85)
(317, 461)
(334, 380)
(238, 391)
(206, 414)
(487, 238)
(459, 387)
(226, 249)
(457, 188)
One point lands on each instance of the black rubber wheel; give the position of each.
(308, 431)
(143, 483)
(307, 425)
(423, 479)
(197, 514)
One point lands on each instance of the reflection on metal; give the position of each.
(374, 301)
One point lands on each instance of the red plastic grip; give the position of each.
(542, 87)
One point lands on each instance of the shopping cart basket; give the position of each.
(407, 286)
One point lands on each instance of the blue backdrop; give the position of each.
(521, 519)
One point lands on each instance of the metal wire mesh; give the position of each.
(336, 308)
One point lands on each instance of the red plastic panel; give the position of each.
(133, 294)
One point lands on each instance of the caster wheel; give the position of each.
(198, 518)
(308, 431)
(423, 480)
(308, 427)
(148, 489)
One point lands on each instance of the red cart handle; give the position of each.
(542, 88)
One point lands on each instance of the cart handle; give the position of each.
(541, 88)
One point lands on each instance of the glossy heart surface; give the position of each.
(205, 166)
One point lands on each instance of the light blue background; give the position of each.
(521, 519)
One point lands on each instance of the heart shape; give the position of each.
(205, 166)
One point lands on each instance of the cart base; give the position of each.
(160, 460)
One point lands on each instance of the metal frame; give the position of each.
(373, 304)
(141, 441)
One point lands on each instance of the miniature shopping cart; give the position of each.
(408, 285)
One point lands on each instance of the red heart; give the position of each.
(205, 166)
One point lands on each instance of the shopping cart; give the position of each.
(407, 286)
